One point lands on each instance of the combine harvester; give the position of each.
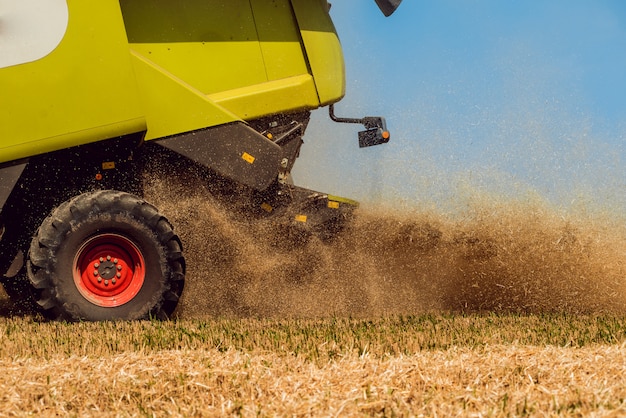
(93, 91)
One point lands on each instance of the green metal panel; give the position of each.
(172, 106)
(245, 56)
(279, 37)
(191, 64)
(284, 95)
(83, 91)
(211, 45)
(322, 49)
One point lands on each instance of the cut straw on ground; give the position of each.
(491, 381)
(430, 365)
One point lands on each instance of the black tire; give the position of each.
(106, 255)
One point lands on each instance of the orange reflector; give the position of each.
(266, 207)
(98, 176)
(333, 205)
(301, 218)
(385, 134)
(247, 157)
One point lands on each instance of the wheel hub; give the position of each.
(109, 270)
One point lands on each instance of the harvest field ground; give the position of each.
(500, 309)
(431, 365)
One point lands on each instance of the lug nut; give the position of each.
(113, 280)
(96, 265)
(106, 282)
(119, 275)
(95, 273)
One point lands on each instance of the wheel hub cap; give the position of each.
(109, 270)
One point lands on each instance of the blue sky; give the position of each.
(514, 99)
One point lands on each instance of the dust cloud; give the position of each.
(513, 256)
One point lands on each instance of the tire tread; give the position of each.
(53, 230)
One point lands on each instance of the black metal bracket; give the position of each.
(295, 127)
(375, 132)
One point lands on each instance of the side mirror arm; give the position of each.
(375, 132)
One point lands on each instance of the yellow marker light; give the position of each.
(108, 165)
(333, 205)
(301, 218)
(248, 158)
(266, 207)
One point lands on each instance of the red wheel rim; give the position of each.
(109, 270)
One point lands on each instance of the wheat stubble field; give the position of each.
(432, 365)
(509, 310)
